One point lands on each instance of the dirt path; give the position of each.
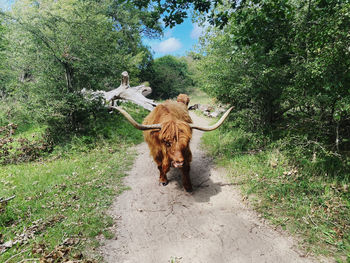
(165, 224)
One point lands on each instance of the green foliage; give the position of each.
(169, 77)
(247, 67)
(174, 12)
(33, 142)
(60, 47)
(284, 65)
(302, 200)
(106, 127)
(3, 46)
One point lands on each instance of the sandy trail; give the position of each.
(165, 224)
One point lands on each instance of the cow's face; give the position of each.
(175, 137)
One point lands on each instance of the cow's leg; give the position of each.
(162, 174)
(186, 180)
(163, 167)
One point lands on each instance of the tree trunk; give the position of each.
(69, 76)
(125, 92)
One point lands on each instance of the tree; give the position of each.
(284, 64)
(169, 77)
(247, 61)
(174, 12)
(60, 47)
(3, 46)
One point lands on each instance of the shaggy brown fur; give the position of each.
(170, 145)
(184, 99)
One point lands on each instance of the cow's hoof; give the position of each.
(189, 189)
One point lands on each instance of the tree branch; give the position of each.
(6, 200)
(125, 92)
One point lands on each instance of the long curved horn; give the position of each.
(141, 127)
(213, 127)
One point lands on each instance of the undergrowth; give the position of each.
(61, 199)
(292, 191)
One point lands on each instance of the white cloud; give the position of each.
(196, 31)
(170, 45)
(168, 33)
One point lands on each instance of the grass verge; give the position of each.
(61, 200)
(198, 96)
(314, 207)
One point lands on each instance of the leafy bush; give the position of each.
(103, 127)
(169, 76)
(59, 48)
(284, 65)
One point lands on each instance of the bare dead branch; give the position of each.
(125, 92)
(2, 200)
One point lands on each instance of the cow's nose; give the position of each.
(178, 164)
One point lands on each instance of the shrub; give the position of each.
(170, 76)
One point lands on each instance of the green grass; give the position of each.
(313, 207)
(198, 96)
(66, 194)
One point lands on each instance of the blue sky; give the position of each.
(176, 41)
(5, 4)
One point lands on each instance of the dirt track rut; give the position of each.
(165, 224)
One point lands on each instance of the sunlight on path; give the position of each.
(165, 224)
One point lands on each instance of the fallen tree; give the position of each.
(124, 92)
